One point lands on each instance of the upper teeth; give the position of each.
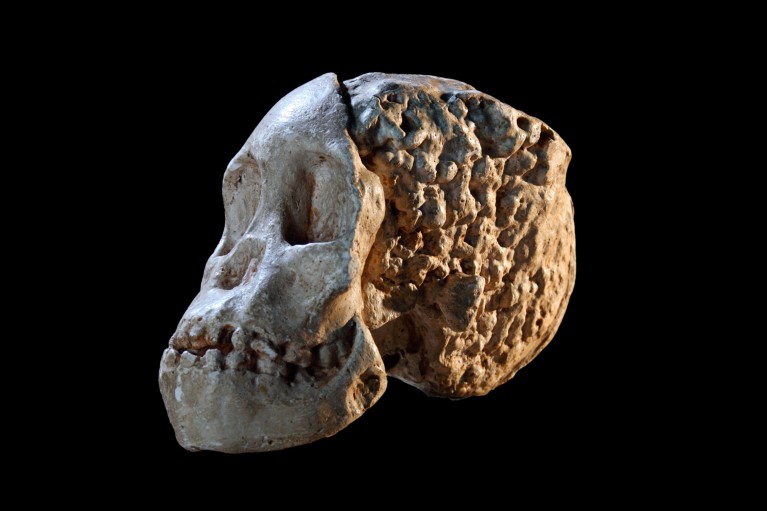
(255, 352)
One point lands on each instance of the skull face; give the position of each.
(398, 218)
(272, 352)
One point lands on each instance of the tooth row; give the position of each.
(257, 354)
(262, 358)
(196, 337)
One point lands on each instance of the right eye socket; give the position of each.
(297, 219)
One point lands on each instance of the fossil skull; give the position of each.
(393, 223)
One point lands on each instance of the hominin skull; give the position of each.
(398, 224)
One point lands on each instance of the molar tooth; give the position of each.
(213, 360)
(187, 359)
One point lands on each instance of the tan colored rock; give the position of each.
(471, 271)
(403, 219)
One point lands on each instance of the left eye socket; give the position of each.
(319, 208)
(297, 217)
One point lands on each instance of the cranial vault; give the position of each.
(391, 224)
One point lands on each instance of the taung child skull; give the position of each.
(398, 218)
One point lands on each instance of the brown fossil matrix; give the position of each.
(394, 224)
(471, 271)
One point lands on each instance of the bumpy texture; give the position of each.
(471, 271)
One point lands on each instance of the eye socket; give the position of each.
(241, 191)
(319, 207)
(298, 211)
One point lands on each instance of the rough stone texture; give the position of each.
(470, 274)
(398, 219)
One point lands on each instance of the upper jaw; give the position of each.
(231, 347)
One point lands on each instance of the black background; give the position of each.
(197, 106)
